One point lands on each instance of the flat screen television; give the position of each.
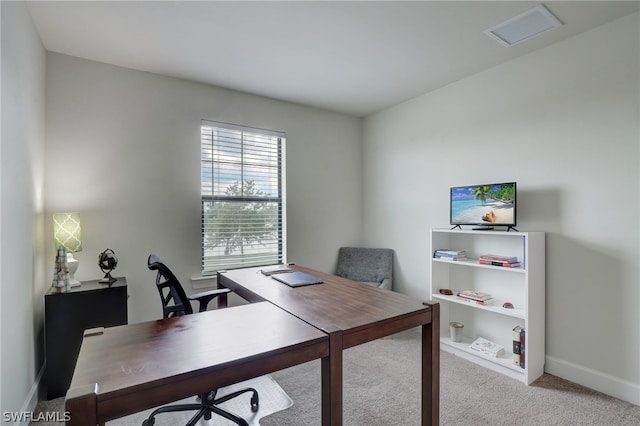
(487, 205)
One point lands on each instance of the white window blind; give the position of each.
(243, 201)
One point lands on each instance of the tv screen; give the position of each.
(490, 204)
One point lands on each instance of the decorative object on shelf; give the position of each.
(446, 291)
(68, 234)
(456, 331)
(507, 305)
(61, 272)
(107, 261)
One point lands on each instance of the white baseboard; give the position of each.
(30, 402)
(596, 380)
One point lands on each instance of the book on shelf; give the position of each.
(523, 349)
(477, 302)
(474, 295)
(499, 263)
(494, 257)
(449, 254)
(447, 257)
(516, 344)
(487, 347)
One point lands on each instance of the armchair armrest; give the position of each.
(386, 284)
(207, 296)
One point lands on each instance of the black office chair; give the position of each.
(175, 303)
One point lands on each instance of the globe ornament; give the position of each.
(107, 261)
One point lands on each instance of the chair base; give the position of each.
(207, 406)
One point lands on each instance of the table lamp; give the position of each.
(67, 233)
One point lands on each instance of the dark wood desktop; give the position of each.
(351, 313)
(132, 368)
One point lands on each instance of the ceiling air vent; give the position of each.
(523, 27)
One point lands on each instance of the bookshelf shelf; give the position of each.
(495, 307)
(503, 361)
(502, 364)
(523, 287)
(475, 263)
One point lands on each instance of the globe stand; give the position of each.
(108, 279)
(107, 261)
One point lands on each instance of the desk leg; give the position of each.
(82, 406)
(431, 368)
(332, 380)
(223, 300)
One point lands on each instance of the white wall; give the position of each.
(564, 123)
(127, 145)
(22, 282)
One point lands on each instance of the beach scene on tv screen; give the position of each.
(483, 204)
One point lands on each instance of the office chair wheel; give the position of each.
(255, 402)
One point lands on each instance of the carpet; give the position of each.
(382, 388)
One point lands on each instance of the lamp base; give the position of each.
(72, 265)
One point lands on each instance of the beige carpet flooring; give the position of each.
(381, 383)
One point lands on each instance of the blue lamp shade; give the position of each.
(67, 231)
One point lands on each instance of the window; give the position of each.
(243, 200)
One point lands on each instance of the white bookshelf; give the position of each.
(524, 287)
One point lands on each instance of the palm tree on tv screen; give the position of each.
(482, 192)
(503, 193)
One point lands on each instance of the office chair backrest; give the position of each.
(174, 299)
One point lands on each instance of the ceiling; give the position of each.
(354, 57)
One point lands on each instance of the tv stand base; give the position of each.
(486, 228)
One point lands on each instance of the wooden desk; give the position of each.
(351, 313)
(139, 366)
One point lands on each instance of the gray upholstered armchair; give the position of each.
(373, 266)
